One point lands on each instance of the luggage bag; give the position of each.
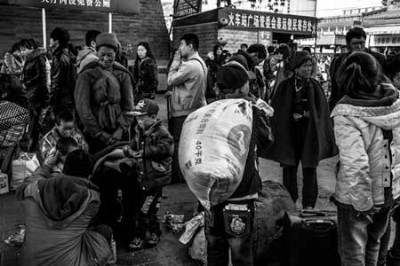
(310, 238)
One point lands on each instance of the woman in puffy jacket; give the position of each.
(145, 72)
(367, 133)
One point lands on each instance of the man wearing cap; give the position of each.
(188, 79)
(229, 225)
(63, 72)
(104, 96)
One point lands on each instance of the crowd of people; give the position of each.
(95, 128)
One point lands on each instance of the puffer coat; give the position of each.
(368, 164)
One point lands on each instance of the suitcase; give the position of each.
(310, 238)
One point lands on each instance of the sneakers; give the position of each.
(153, 240)
(16, 239)
(136, 244)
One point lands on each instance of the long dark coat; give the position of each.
(320, 141)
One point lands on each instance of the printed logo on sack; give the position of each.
(237, 225)
(239, 140)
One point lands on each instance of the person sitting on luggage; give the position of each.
(59, 209)
(151, 153)
(229, 225)
(367, 133)
(65, 127)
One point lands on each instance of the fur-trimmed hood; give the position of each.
(384, 116)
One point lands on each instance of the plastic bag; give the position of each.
(213, 149)
(23, 167)
(198, 250)
(191, 227)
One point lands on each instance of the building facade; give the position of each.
(237, 26)
(144, 21)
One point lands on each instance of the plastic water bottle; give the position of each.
(113, 251)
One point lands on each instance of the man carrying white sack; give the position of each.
(230, 224)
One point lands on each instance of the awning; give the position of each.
(383, 30)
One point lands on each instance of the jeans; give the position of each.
(220, 238)
(147, 222)
(175, 128)
(391, 257)
(358, 236)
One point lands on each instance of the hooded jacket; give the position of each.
(368, 164)
(58, 212)
(335, 72)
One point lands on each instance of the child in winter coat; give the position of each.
(367, 133)
(151, 152)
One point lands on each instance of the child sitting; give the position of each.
(151, 152)
(64, 146)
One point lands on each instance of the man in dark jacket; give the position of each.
(63, 72)
(35, 84)
(230, 223)
(355, 39)
(104, 97)
(255, 54)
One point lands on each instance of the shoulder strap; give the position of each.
(202, 66)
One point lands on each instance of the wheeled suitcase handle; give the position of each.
(321, 226)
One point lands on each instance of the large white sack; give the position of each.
(213, 149)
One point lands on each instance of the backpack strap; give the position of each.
(202, 66)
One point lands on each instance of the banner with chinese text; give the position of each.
(254, 20)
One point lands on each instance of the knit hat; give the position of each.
(298, 59)
(234, 74)
(146, 107)
(61, 35)
(107, 39)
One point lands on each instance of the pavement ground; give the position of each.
(177, 199)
